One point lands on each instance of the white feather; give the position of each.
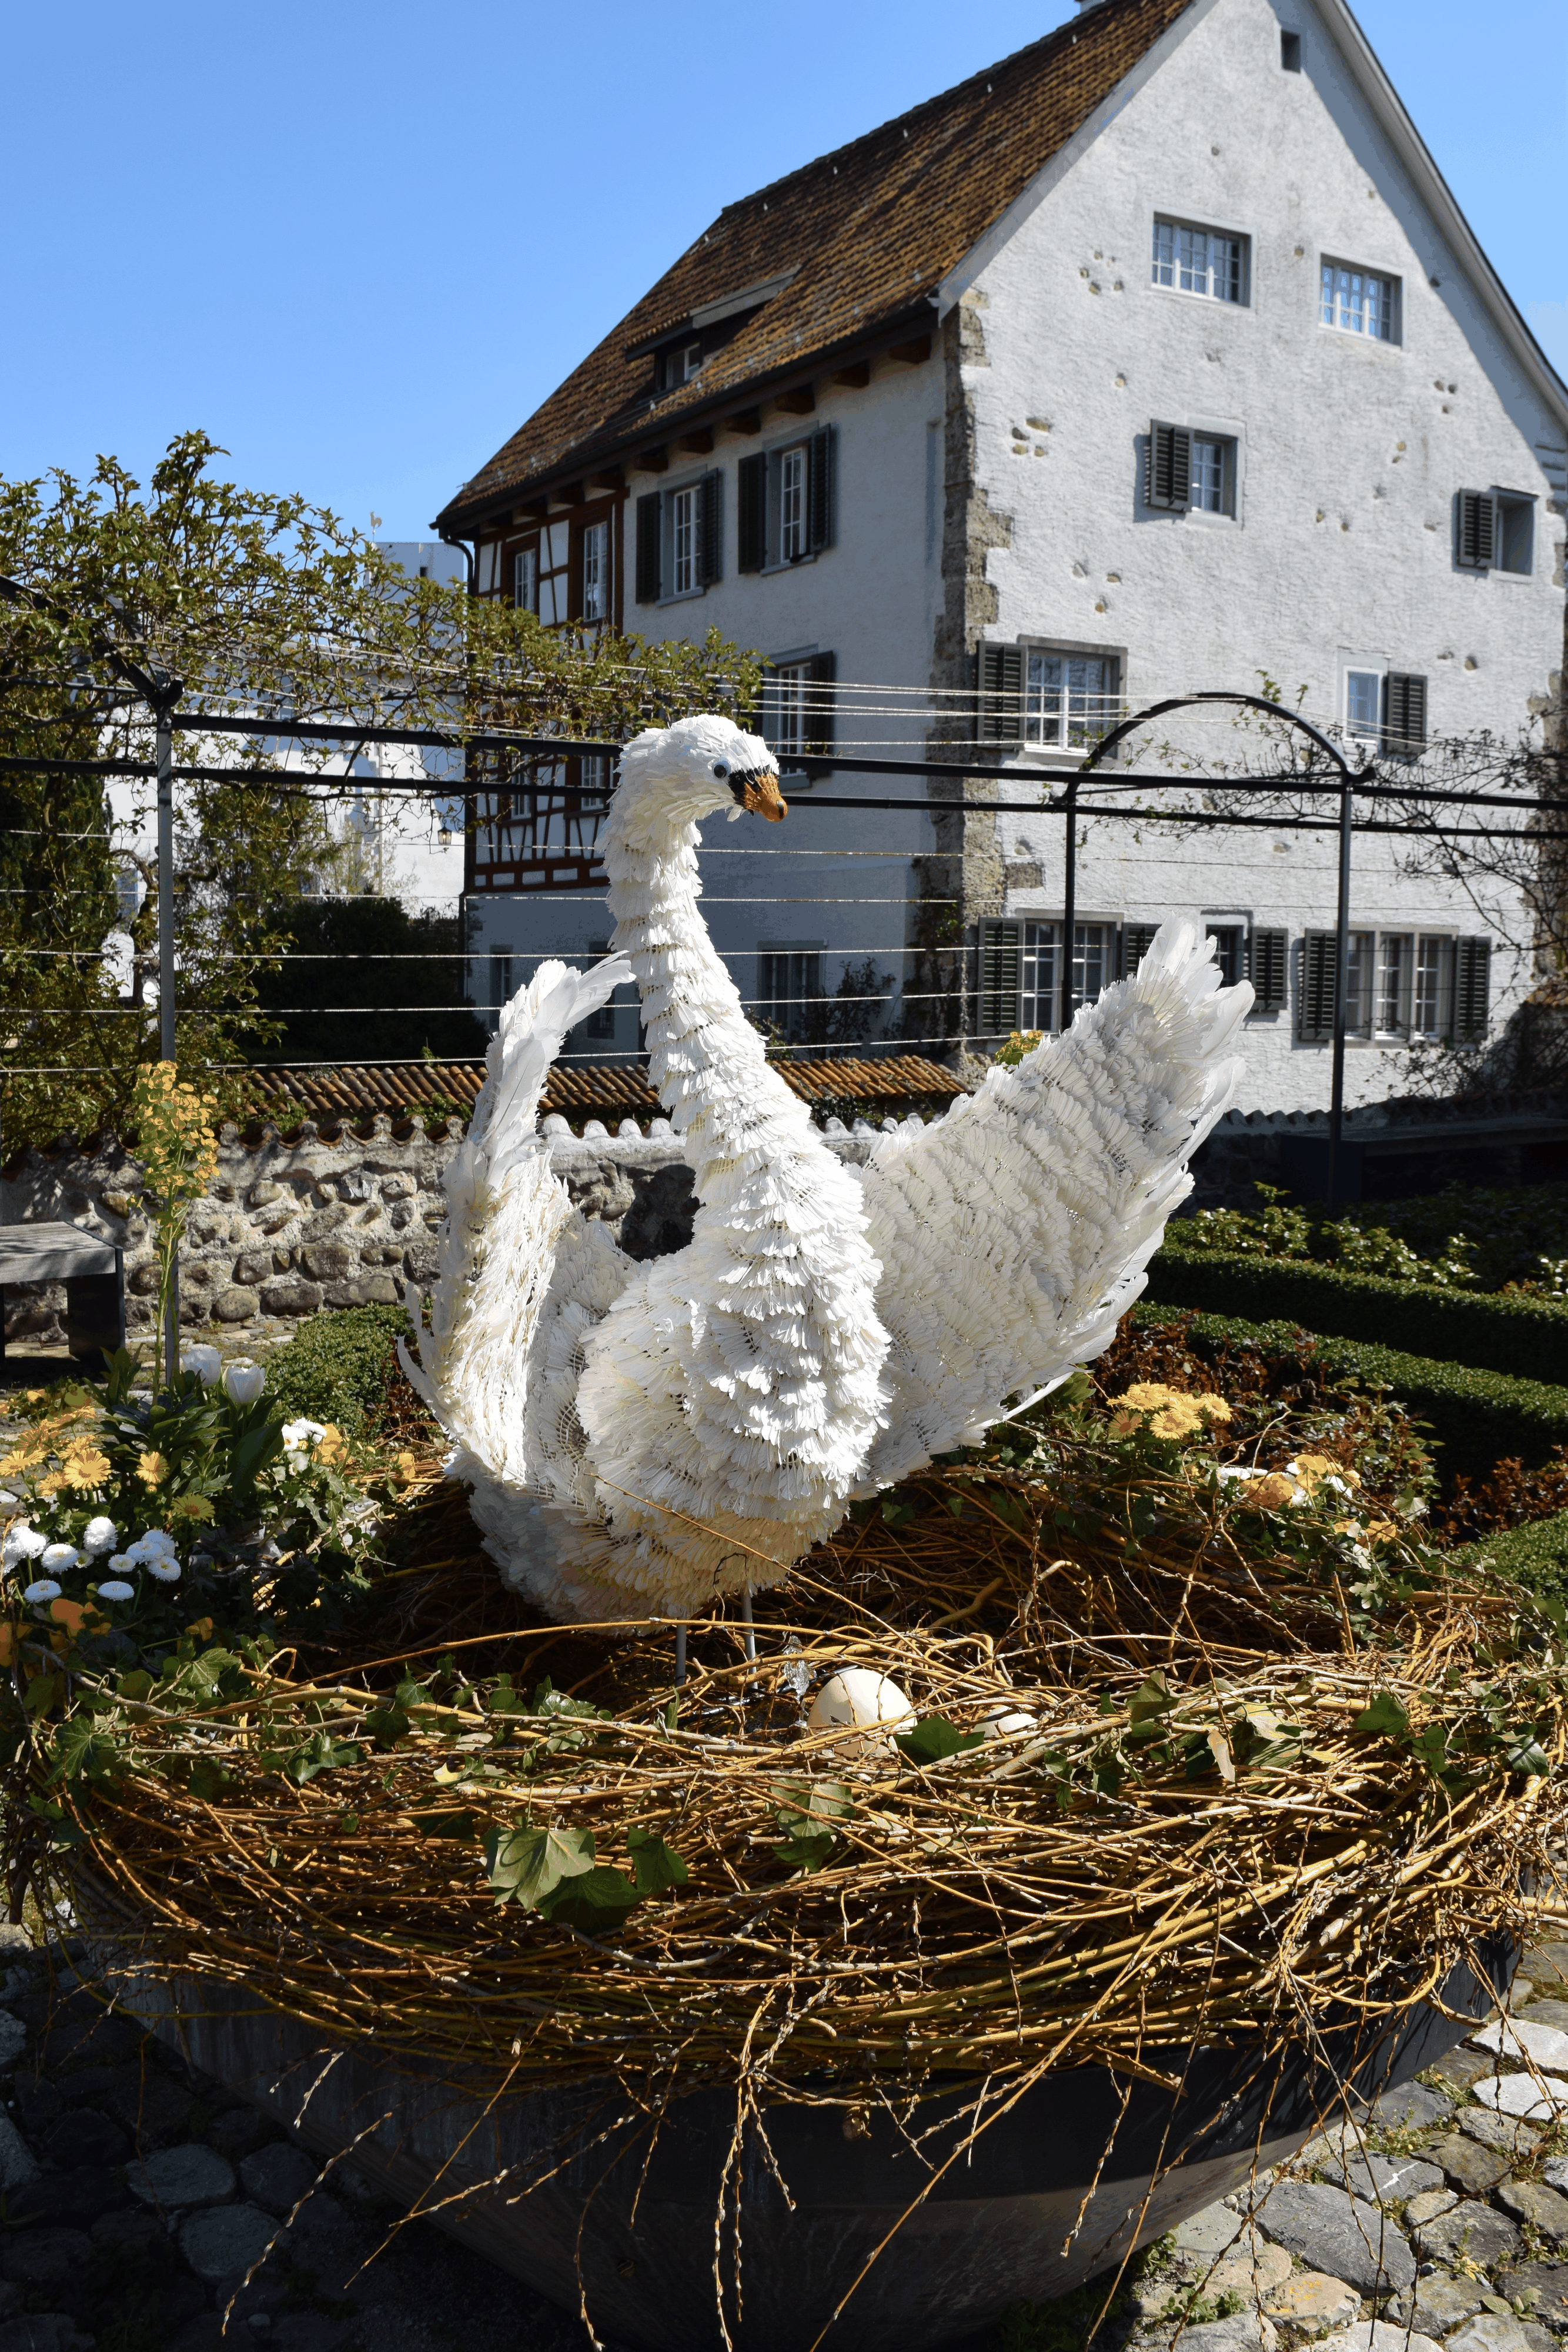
(641, 1437)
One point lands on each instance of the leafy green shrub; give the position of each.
(335, 1368)
(1476, 1416)
(1525, 1337)
(1537, 1554)
(1467, 1237)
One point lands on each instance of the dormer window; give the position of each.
(678, 365)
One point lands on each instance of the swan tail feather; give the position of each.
(1017, 1231)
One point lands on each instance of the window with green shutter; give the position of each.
(650, 547)
(1000, 672)
(710, 534)
(1269, 969)
(1404, 715)
(1168, 467)
(751, 499)
(1001, 940)
(823, 487)
(1315, 1004)
(1472, 991)
(1477, 529)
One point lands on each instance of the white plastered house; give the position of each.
(1157, 358)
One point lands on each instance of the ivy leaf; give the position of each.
(1526, 1755)
(655, 1864)
(209, 1780)
(896, 1515)
(387, 1725)
(82, 1753)
(1384, 1717)
(321, 1753)
(933, 1739)
(591, 1900)
(1153, 1696)
(523, 1864)
(807, 1853)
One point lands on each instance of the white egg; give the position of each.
(855, 1697)
(1003, 1722)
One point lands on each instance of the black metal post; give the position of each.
(1068, 903)
(163, 715)
(1341, 994)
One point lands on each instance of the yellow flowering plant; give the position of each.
(1165, 1412)
(179, 1155)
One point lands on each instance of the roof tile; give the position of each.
(868, 231)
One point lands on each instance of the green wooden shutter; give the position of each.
(1001, 693)
(751, 501)
(1137, 938)
(1001, 940)
(710, 536)
(822, 488)
(1167, 472)
(1478, 530)
(649, 533)
(1315, 1009)
(822, 671)
(1269, 969)
(1405, 721)
(1472, 991)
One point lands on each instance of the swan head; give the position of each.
(674, 776)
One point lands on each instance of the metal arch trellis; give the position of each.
(1346, 787)
(162, 696)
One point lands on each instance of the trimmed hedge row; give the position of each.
(1536, 1553)
(1522, 1337)
(1478, 1417)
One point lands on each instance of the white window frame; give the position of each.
(804, 991)
(1041, 961)
(1337, 280)
(1510, 504)
(526, 579)
(787, 712)
(793, 466)
(1228, 448)
(1358, 676)
(1401, 984)
(596, 571)
(684, 524)
(1175, 270)
(1070, 732)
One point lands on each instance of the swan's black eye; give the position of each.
(720, 768)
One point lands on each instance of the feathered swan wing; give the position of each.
(1015, 1231)
(521, 1277)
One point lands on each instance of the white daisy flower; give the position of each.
(166, 1570)
(23, 1543)
(56, 1558)
(46, 1589)
(99, 1534)
(116, 1590)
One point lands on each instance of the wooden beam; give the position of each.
(744, 420)
(856, 376)
(699, 442)
(571, 494)
(910, 353)
(612, 479)
(802, 402)
(651, 461)
(532, 510)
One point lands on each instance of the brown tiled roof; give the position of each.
(869, 233)
(588, 1090)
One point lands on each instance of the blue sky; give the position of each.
(358, 245)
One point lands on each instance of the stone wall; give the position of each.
(296, 1223)
(309, 1219)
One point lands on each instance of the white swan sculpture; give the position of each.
(641, 1437)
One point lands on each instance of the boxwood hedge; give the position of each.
(1478, 1417)
(1525, 1337)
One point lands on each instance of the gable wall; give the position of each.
(1349, 454)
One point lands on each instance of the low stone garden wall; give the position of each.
(296, 1222)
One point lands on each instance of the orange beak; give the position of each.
(760, 794)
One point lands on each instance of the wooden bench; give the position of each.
(93, 1272)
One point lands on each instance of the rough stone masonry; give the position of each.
(291, 1223)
